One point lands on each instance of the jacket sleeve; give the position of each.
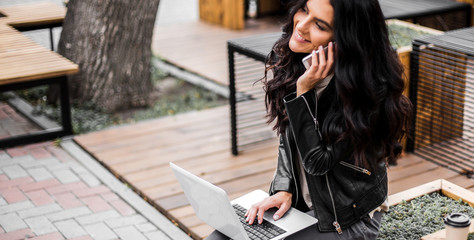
(317, 156)
(283, 179)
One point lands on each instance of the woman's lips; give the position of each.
(299, 38)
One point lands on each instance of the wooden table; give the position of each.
(25, 64)
(34, 16)
(255, 47)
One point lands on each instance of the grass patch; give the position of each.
(173, 96)
(192, 98)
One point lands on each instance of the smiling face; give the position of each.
(312, 26)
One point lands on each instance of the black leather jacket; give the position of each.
(341, 192)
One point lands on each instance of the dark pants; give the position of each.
(366, 229)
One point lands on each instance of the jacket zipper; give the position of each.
(356, 168)
(336, 224)
(315, 120)
(293, 172)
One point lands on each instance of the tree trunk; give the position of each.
(110, 40)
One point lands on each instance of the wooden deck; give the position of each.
(199, 142)
(201, 47)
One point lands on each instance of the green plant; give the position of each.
(401, 36)
(420, 216)
(157, 74)
(86, 117)
(178, 101)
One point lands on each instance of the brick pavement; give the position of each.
(45, 193)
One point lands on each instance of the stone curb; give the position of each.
(129, 196)
(191, 77)
(22, 106)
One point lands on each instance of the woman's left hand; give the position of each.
(320, 68)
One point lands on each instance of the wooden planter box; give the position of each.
(231, 13)
(405, 51)
(226, 13)
(446, 188)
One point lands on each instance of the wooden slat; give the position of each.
(200, 166)
(415, 180)
(33, 14)
(216, 177)
(404, 172)
(23, 60)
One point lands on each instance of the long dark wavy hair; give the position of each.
(370, 110)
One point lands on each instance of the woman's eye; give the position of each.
(320, 27)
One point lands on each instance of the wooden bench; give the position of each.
(33, 17)
(25, 64)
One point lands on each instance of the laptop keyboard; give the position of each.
(263, 231)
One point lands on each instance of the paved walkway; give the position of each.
(55, 190)
(48, 194)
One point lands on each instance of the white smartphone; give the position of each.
(307, 60)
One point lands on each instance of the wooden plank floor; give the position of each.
(201, 47)
(199, 142)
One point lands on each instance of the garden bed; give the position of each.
(401, 35)
(418, 212)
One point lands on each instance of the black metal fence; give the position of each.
(442, 91)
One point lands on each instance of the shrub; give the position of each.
(420, 216)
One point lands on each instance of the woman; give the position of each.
(340, 121)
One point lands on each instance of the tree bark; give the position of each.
(110, 40)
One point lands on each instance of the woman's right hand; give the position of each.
(320, 68)
(281, 200)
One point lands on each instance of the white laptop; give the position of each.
(212, 206)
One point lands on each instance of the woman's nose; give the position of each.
(302, 25)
